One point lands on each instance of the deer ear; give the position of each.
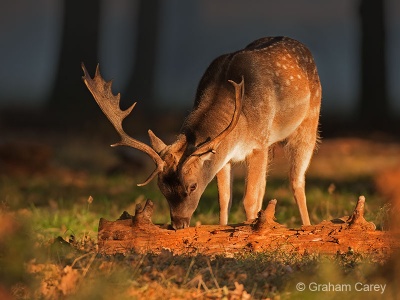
(208, 155)
(157, 144)
(198, 159)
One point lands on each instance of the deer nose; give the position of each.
(180, 223)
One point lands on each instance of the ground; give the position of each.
(55, 189)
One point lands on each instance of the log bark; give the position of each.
(138, 233)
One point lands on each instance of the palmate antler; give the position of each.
(109, 104)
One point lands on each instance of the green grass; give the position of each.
(326, 200)
(60, 207)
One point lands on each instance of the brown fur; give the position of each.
(281, 103)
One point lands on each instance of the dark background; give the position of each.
(156, 52)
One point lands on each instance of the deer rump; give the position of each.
(245, 102)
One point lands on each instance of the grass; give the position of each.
(49, 227)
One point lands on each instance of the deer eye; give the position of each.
(192, 187)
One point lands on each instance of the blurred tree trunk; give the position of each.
(141, 82)
(79, 43)
(374, 106)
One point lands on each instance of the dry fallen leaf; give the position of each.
(69, 280)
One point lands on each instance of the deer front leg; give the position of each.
(256, 179)
(224, 182)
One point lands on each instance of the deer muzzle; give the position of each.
(179, 223)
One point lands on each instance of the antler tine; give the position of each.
(213, 144)
(109, 104)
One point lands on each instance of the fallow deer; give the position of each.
(246, 101)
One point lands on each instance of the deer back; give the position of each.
(281, 83)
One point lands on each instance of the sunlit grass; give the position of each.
(63, 209)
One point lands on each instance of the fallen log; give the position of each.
(138, 233)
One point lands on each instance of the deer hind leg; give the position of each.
(300, 147)
(256, 179)
(224, 182)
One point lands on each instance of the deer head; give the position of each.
(181, 168)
